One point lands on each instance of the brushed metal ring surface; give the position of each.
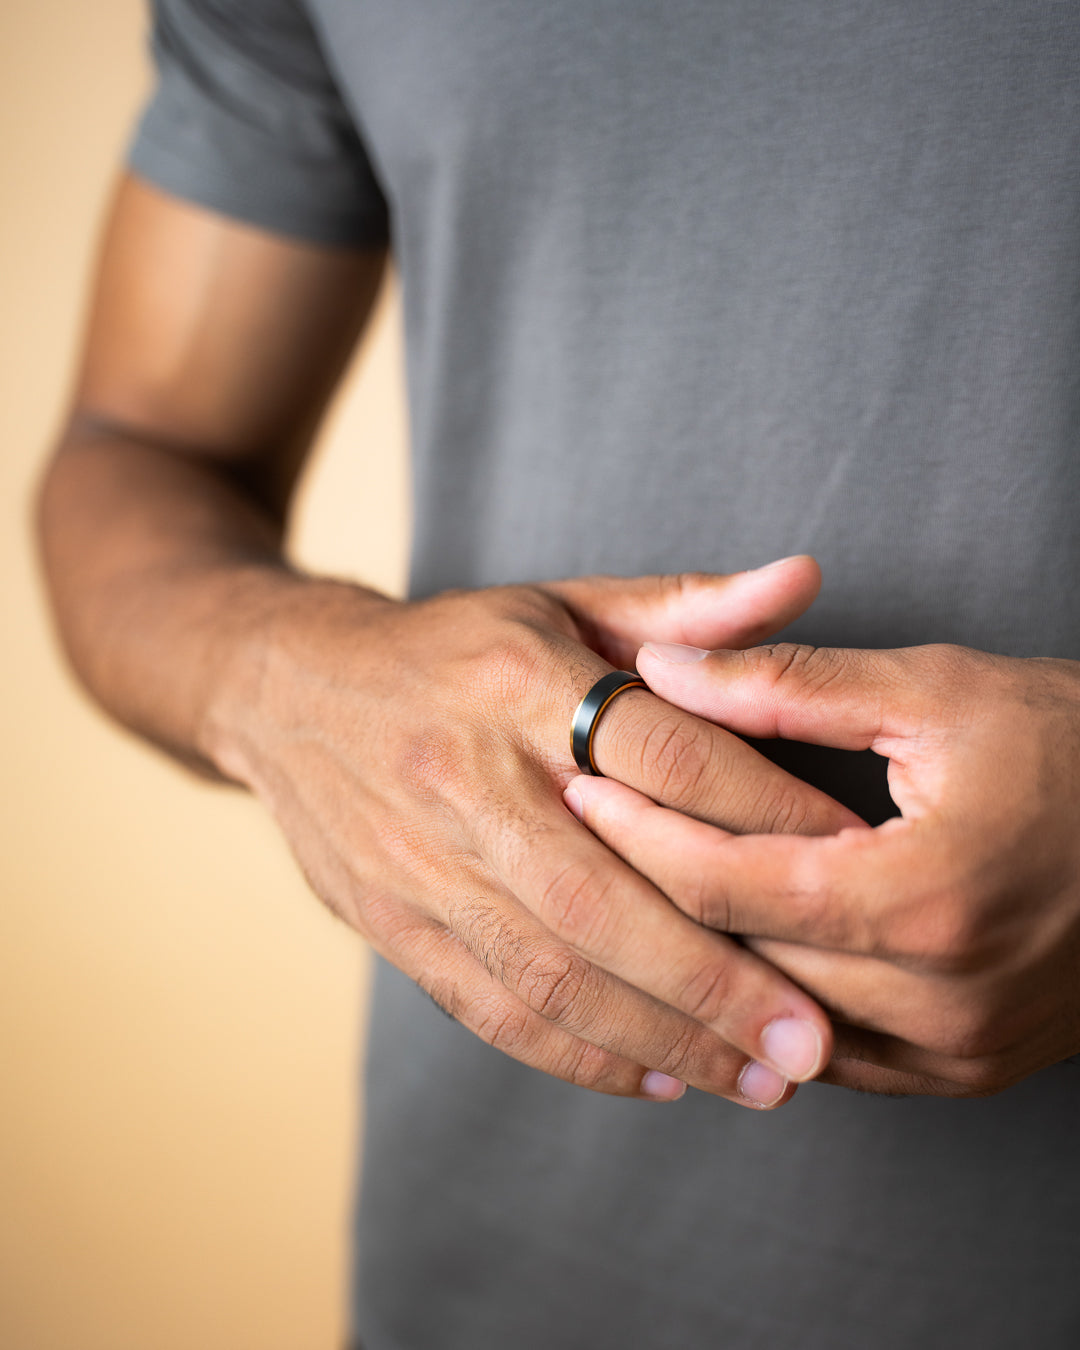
(589, 711)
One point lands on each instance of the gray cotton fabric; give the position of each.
(696, 285)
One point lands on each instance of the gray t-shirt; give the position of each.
(755, 279)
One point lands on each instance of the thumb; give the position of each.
(705, 610)
(847, 698)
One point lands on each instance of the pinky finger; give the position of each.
(453, 978)
(868, 1061)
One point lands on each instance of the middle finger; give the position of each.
(599, 907)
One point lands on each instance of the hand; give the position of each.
(945, 943)
(413, 753)
(415, 756)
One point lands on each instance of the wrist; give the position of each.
(288, 634)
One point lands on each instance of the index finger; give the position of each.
(896, 891)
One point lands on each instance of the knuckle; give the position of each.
(811, 669)
(808, 897)
(673, 756)
(708, 993)
(404, 843)
(941, 934)
(499, 946)
(679, 585)
(588, 1066)
(951, 663)
(505, 1028)
(672, 588)
(782, 661)
(539, 609)
(501, 673)
(552, 983)
(682, 1056)
(389, 920)
(780, 811)
(427, 763)
(535, 631)
(701, 899)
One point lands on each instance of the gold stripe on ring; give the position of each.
(589, 711)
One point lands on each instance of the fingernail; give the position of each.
(661, 1087)
(675, 653)
(792, 1046)
(760, 1085)
(572, 798)
(779, 562)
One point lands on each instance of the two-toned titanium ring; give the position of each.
(590, 710)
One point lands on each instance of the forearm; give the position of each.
(168, 580)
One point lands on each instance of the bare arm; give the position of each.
(413, 754)
(210, 353)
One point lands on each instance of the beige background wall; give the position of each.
(178, 1017)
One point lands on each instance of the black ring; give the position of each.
(589, 710)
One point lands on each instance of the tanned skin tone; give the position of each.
(416, 754)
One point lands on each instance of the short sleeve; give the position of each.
(246, 119)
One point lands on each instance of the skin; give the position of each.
(414, 754)
(945, 943)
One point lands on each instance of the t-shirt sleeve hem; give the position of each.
(270, 204)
